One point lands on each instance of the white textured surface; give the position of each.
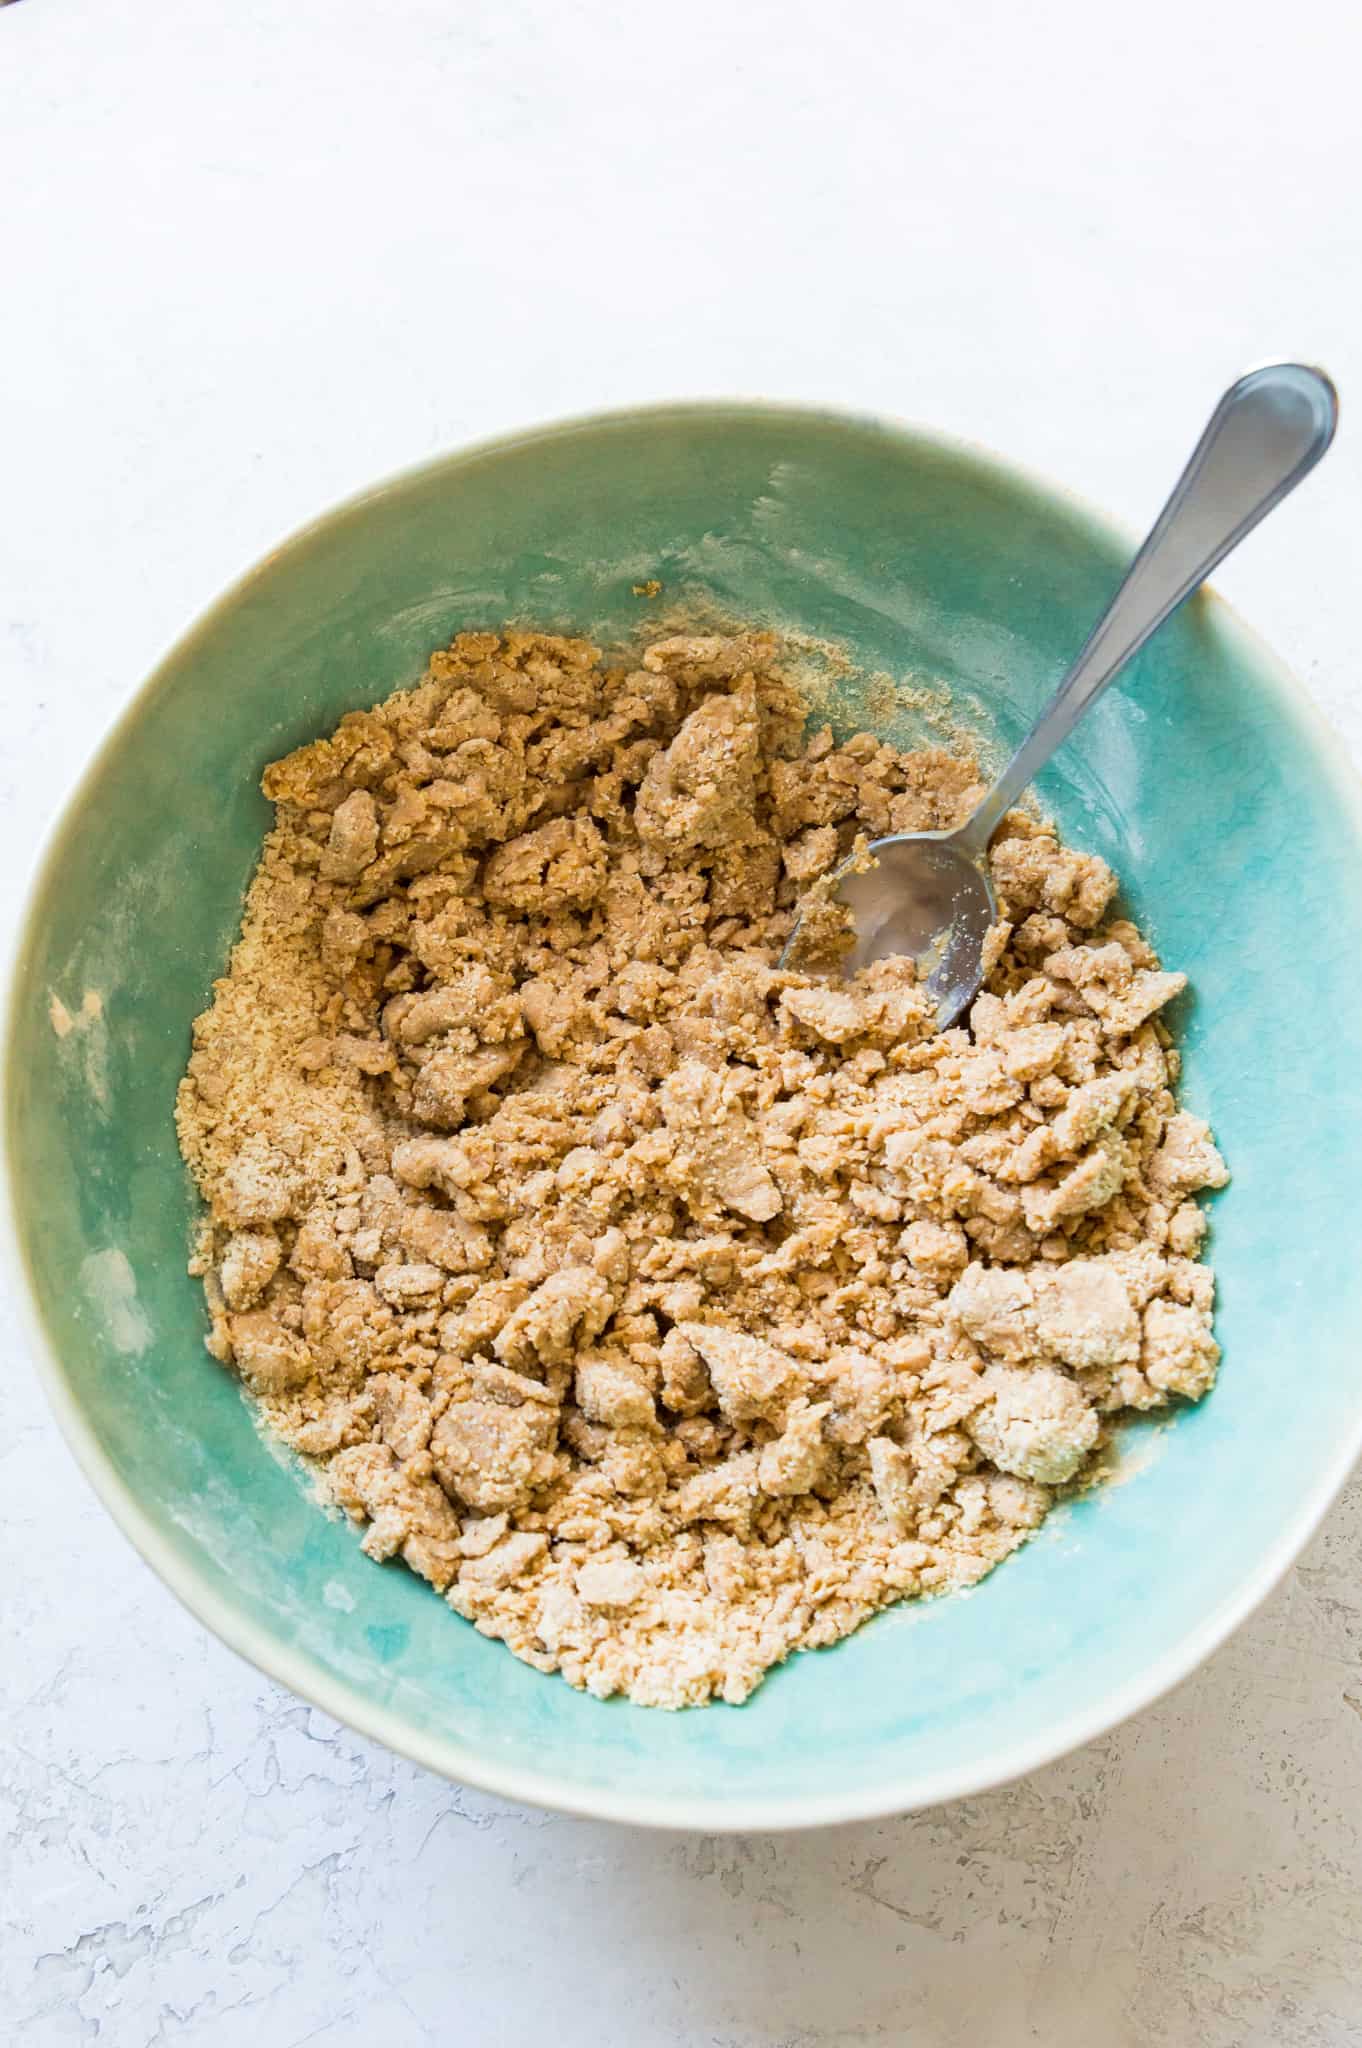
(256, 255)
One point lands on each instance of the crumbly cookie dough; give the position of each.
(668, 1312)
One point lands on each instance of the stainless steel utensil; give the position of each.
(928, 894)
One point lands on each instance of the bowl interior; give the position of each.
(1202, 778)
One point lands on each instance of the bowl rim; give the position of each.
(898, 1793)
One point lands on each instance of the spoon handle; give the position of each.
(1268, 431)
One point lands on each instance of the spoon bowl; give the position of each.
(927, 895)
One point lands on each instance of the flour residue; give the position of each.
(86, 1032)
(110, 1286)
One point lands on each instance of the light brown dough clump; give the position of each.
(666, 1311)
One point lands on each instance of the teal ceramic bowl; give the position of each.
(1206, 780)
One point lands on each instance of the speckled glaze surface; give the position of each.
(1203, 777)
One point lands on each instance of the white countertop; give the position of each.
(255, 256)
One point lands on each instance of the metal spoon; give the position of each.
(928, 894)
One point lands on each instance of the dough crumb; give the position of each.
(667, 1311)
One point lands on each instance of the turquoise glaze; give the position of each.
(1204, 777)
